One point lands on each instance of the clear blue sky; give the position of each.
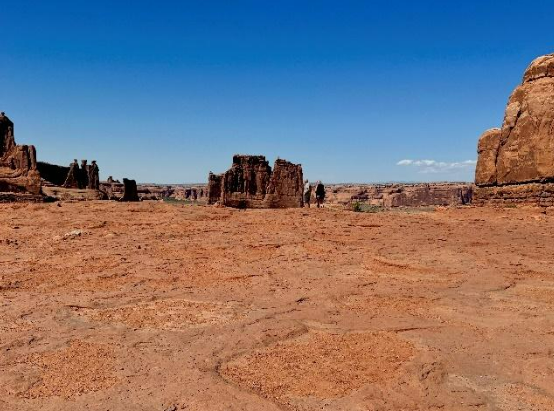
(167, 91)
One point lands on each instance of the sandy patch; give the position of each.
(320, 364)
(80, 368)
(172, 315)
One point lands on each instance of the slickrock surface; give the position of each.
(522, 151)
(154, 306)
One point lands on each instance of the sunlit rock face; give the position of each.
(522, 150)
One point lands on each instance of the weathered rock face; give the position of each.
(130, 192)
(83, 174)
(245, 183)
(93, 176)
(250, 183)
(522, 151)
(538, 194)
(215, 184)
(487, 151)
(285, 186)
(18, 166)
(73, 176)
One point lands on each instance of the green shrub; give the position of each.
(357, 207)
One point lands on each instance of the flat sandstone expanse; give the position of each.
(155, 306)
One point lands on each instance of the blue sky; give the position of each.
(167, 91)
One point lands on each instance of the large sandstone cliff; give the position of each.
(18, 165)
(522, 150)
(251, 183)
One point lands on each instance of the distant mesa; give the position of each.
(251, 183)
(516, 162)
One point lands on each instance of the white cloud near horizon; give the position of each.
(433, 166)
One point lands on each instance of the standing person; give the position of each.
(319, 194)
(307, 193)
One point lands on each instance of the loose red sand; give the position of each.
(150, 306)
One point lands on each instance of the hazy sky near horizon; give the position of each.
(356, 91)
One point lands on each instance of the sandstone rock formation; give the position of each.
(130, 190)
(215, 184)
(23, 177)
(73, 176)
(18, 166)
(251, 183)
(93, 176)
(286, 186)
(522, 151)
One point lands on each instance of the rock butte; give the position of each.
(516, 162)
(251, 183)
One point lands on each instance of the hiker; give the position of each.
(319, 194)
(307, 193)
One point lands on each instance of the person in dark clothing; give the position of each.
(319, 194)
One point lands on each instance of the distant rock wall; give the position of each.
(401, 195)
(53, 173)
(516, 162)
(251, 183)
(84, 177)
